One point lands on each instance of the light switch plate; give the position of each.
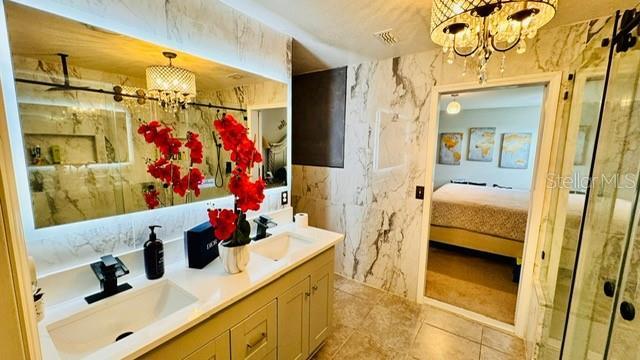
(420, 192)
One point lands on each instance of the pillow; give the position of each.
(501, 187)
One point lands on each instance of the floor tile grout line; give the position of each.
(342, 344)
(452, 333)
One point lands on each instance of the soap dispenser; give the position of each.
(153, 255)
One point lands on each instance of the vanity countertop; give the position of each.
(213, 287)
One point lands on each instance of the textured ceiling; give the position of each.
(331, 33)
(37, 34)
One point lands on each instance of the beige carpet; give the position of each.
(472, 281)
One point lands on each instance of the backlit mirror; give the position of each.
(83, 94)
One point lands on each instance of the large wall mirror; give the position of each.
(83, 93)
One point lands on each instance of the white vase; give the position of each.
(234, 259)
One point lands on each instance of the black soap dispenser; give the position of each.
(153, 255)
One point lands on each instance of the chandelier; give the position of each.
(174, 87)
(478, 28)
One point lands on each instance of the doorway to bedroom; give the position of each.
(487, 145)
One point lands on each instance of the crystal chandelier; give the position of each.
(174, 87)
(478, 28)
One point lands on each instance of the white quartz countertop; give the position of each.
(212, 286)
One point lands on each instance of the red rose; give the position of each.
(223, 222)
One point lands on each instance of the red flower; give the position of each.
(150, 130)
(192, 181)
(231, 132)
(151, 198)
(164, 171)
(234, 138)
(246, 154)
(195, 146)
(249, 195)
(223, 222)
(166, 143)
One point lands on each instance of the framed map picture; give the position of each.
(515, 150)
(450, 151)
(481, 141)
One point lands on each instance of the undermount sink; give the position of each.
(114, 319)
(280, 246)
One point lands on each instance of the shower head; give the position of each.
(65, 72)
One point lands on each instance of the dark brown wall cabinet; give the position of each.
(318, 110)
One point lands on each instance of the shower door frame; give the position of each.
(547, 126)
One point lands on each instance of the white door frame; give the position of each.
(555, 250)
(253, 122)
(552, 82)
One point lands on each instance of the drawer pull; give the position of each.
(307, 294)
(262, 338)
(315, 287)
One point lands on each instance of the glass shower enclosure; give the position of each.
(601, 321)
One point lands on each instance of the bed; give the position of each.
(488, 219)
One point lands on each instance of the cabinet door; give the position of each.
(320, 305)
(293, 322)
(255, 337)
(217, 349)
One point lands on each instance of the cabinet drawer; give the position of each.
(217, 349)
(255, 337)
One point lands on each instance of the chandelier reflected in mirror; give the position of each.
(174, 87)
(479, 28)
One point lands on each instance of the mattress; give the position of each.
(490, 211)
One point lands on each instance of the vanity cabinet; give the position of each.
(293, 322)
(304, 315)
(288, 318)
(320, 306)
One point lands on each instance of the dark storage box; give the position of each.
(200, 246)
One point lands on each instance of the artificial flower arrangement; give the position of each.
(231, 227)
(164, 169)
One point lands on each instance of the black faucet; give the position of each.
(108, 270)
(264, 222)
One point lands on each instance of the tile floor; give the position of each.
(372, 324)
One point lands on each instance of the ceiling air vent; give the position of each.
(387, 37)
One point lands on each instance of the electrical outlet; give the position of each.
(420, 192)
(284, 198)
